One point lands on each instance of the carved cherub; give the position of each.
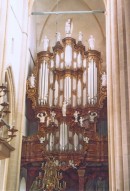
(42, 116)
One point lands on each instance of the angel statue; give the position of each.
(68, 27)
(32, 81)
(42, 116)
(92, 116)
(80, 36)
(81, 119)
(45, 43)
(91, 42)
(76, 113)
(104, 79)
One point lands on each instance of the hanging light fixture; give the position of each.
(4, 111)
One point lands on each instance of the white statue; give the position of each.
(80, 36)
(48, 121)
(53, 114)
(32, 81)
(68, 27)
(45, 43)
(91, 42)
(92, 116)
(42, 117)
(81, 121)
(58, 37)
(56, 162)
(104, 79)
(76, 113)
(71, 163)
(86, 139)
(64, 108)
(42, 139)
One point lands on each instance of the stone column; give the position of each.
(3, 29)
(13, 175)
(118, 72)
(81, 173)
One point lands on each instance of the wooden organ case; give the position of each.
(66, 97)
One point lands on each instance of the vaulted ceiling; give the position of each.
(89, 24)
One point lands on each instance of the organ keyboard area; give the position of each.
(67, 93)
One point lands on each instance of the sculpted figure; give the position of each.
(91, 42)
(76, 113)
(58, 37)
(53, 114)
(81, 121)
(92, 116)
(42, 139)
(45, 43)
(32, 81)
(68, 27)
(42, 117)
(104, 79)
(64, 108)
(80, 36)
(86, 139)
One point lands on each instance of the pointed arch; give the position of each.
(11, 94)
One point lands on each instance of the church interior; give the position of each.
(64, 95)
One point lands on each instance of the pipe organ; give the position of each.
(71, 77)
(67, 80)
(67, 94)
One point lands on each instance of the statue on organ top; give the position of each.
(58, 37)
(91, 42)
(45, 43)
(80, 36)
(32, 81)
(104, 79)
(68, 27)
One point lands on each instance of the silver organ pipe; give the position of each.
(56, 92)
(61, 144)
(43, 77)
(79, 60)
(92, 82)
(40, 84)
(57, 60)
(76, 142)
(95, 83)
(79, 92)
(63, 136)
(43, 83)
(68, 55)
(51, 141)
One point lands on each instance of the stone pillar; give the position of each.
(13, 175)
(118, 72)
(81, 173)
(3, 28)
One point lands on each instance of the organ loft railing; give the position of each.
(67, 89)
